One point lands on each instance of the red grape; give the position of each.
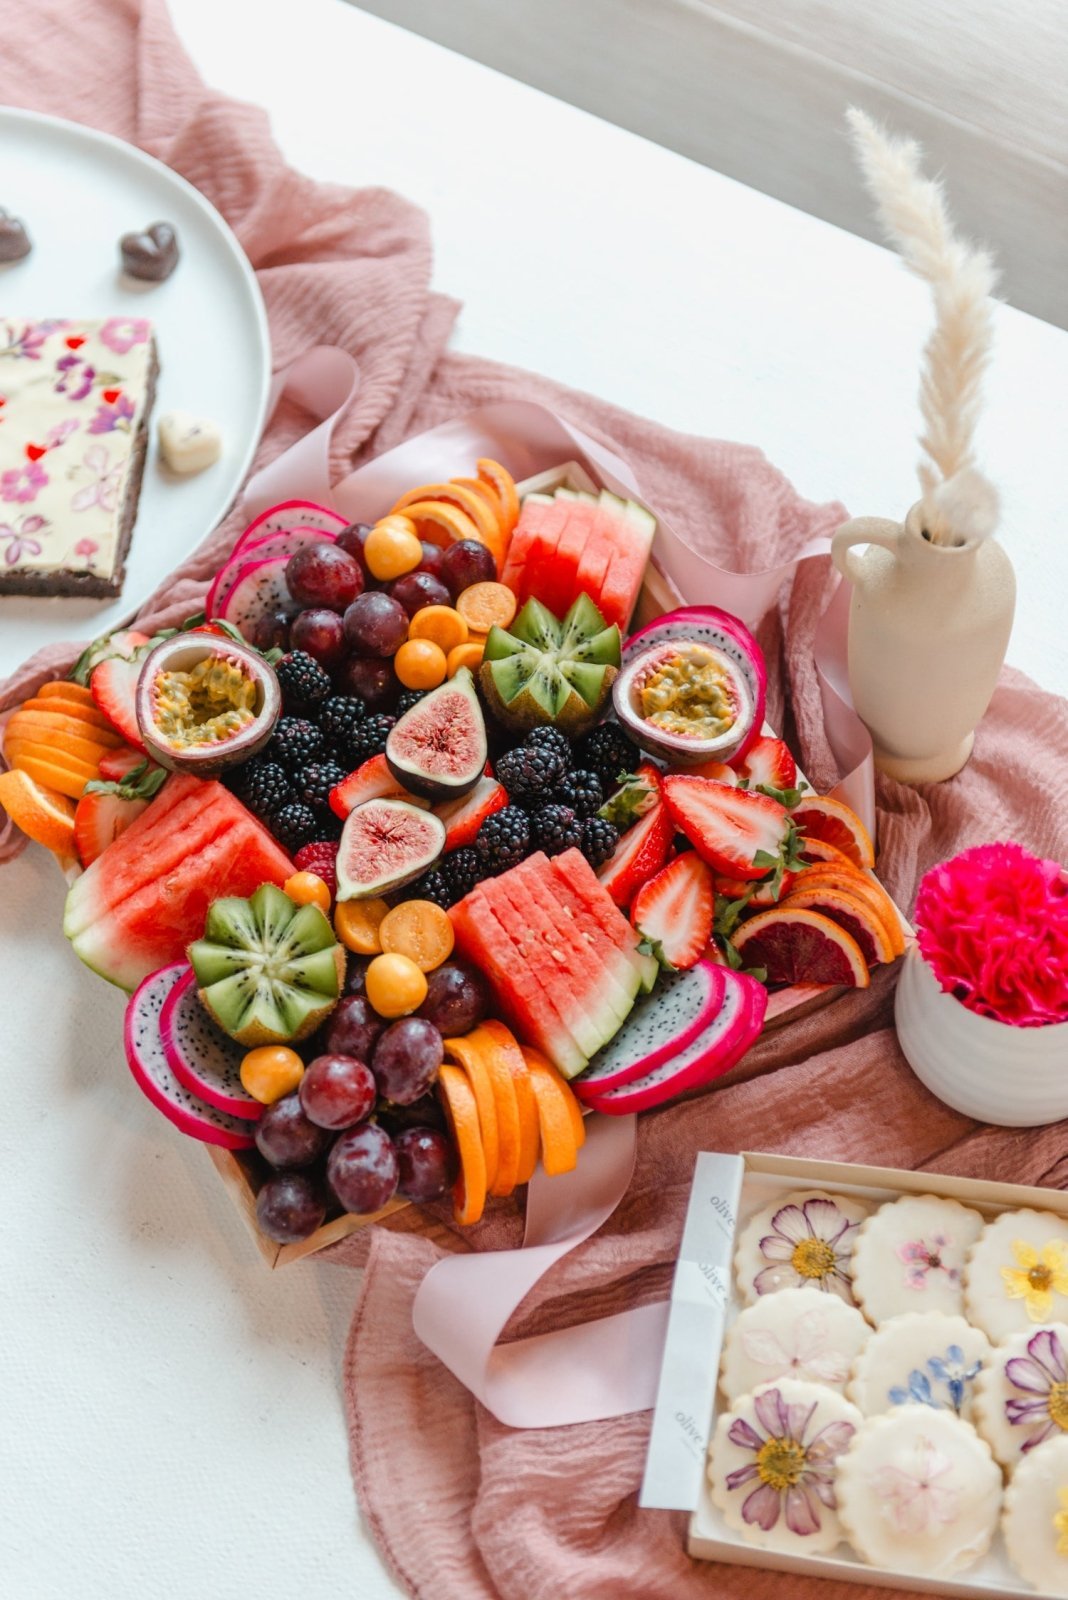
(371, 680)
(322, 634)
(353, 1028)
(457, 998)
(286, 1138)
(337, 1091)
(375, 624)
(432, 558)
(362, 1169)
(406, 1059)
(289, 1207)
(467, 562)
(356, 983)
(426, 1112)
(271, 632)
(424, 1159)
(418, 589)
(352, 540)
(320, 574)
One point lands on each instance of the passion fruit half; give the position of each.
(205, 702)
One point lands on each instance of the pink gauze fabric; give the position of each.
(462, 1507)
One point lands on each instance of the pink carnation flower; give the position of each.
(992, 925)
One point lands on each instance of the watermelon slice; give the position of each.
(567, 555)
(527, 530)
(576, 883)
(604, 963)
(597, 553)
(538, 576)
(626, 572)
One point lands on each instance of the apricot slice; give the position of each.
(68, 689)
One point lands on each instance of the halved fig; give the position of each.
(438, 748)
(384, 845)
(205, 702)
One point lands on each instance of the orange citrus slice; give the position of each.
(465, 655)
(529, 1126)
(420, 930)
(55, 771)
(797, 946)
(43, 814)
(487, 493)
(466, 500)
(442, 524)
(81, 749)
(482, 1049)
(502, 483)
(461, 1113)
(442, 625)
(852, 913)
(823, 818)
(474, 1065)
(559, 1115)
(357, 924)
(485, 604)
(72, 716)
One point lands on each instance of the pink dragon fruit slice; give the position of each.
(680, 1008)
(714, 1051)
(276, 544)
(294, 514)
(149, 1065)
(203, 1058)
(259, 591)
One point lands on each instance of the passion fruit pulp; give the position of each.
(204, 703)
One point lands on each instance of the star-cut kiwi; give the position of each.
(268, 970)
(545, 669)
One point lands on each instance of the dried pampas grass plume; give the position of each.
(959, 504)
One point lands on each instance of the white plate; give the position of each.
(78, 191)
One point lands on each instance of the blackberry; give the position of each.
(296, 742)
(530, 770)
(303, 682)
(435, 886)
(315, 782)
(339, 716)
(555, 829)
(368, 738)
(462, 869)
(295, 825)
(410, 698)
(503, 839)
(266, 788)
(581, 790)
(547, 738)
(599, 840)
(607, 751)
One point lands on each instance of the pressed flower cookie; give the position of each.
(797, 1333)
(926, 1358)
(1021, 1397)
(772, 1465)
(910, 1256)
(919, 1492)
(801, 1241)
(1035, 1520)
(1017, 1273)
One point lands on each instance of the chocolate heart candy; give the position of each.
(151, 255)
(14, 240)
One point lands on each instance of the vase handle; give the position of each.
(862, 530)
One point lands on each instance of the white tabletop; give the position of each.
(172, 1421)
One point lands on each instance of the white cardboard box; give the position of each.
(726, 1191)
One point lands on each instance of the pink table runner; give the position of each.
(462, 1507)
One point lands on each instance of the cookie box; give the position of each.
(727, 1190)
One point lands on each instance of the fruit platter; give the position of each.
(430, 836)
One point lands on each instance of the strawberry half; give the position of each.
(738, 833)
(372, 780)
(118, 764)
(113, 686)
(768, 762)
(106, 809)
(674, 910)
(642, 850)
(464, 817)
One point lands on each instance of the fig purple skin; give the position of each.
(206, 757)
(438, 749)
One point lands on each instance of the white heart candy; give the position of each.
(188, 443)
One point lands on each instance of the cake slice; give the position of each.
(75, 399)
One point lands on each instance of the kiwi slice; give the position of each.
(268, 970)
(550, 669)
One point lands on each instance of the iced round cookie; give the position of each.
(925, 1359)
(919, 1491)
(801, 1241)
(1021, 1397)
(910, 1257)
(1017, 1273)
(772, 1465)
(1035, 1520)
(797, 1333)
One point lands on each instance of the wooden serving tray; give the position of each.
(657, 596)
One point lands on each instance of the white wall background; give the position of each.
(757, 89)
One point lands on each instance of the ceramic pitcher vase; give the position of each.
(929, 626)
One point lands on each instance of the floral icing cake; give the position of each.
(1017, 1274)
(804, 1241)
(1022, 1398)
(919, 1491)
(1035, 1521)
(773, 1464)
(797, 1333)
(910, 1257)
(924, 1358)
(75, 398)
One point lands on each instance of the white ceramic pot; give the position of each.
(1012, 1077)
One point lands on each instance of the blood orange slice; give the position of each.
(813, 850)
(461, 1112)
(850, 912)
(797, 946)
(862, 886)
(823, 818)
